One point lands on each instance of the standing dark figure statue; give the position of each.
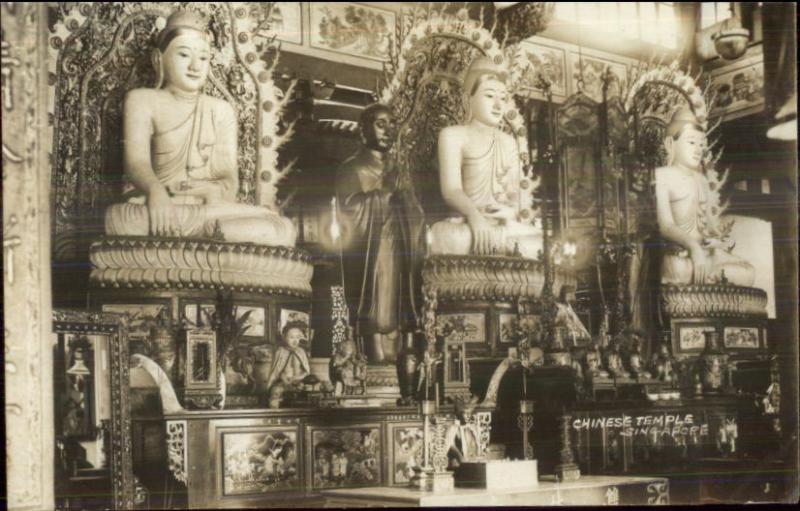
(372, 249)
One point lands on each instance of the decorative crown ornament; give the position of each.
(187, 19)
(180, 21)
(482, 65)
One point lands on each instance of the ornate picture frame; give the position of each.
(324, 16)
(594, 64)
(552, 60)
(744, 337)
(404, 451)
(197, 313)
(140, 314)
(201, 360)
(277, 447)
(687, 335)
(739, 87)
(114, 327)
(468, 327)
(344, 456)
(286, 22)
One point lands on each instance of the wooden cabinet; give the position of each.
(273, 458)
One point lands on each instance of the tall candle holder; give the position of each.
(525, 423)
(566, 470)
(427, 408)
(433, 476)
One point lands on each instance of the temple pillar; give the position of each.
(30, 437)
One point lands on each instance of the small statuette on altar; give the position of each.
(635, 361)
(713, 363)
(290, 366)
(663, 364)
(614, 362)
(348, 369)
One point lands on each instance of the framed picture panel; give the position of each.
(353, 29)
(739, 88)
(548, 62)
(405, 451)
(141, 316)
(258, 460)
(286, 22)
(736, 336)
(344, 456)
(468, 327)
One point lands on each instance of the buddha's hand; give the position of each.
(500, 212)
(211, 192)
(700, 263)
(163, 216)
(484, 234)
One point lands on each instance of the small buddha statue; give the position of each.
(348, 369)
(593, 365)
(663, 364)
(635, 361)
(614, 362)
(180, 152)
(290, 365)
(480, 175)
(696, 256)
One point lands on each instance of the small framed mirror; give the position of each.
(92, 413)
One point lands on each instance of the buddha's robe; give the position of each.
(490, 182)
(193, 150)
(372, 256)
(688, 197)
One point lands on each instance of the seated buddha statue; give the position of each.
(180, 152)
(682, 194)
(479, 175)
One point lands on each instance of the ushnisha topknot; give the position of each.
(681, 118)
(179, 23)
(480, 67)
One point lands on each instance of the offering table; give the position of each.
(590, 490)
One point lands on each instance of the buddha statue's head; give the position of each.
(685, 140)
(182, 55)
(486, 95)
(377, 127)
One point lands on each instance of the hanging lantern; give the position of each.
(79, 365)
(731, 41)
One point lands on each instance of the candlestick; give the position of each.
(524, 383)
(428, 239)
(335, 229)
(525, 423)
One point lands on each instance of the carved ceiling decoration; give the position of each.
(100, 51)
(522, 20)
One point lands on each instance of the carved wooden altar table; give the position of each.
(589, 490)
